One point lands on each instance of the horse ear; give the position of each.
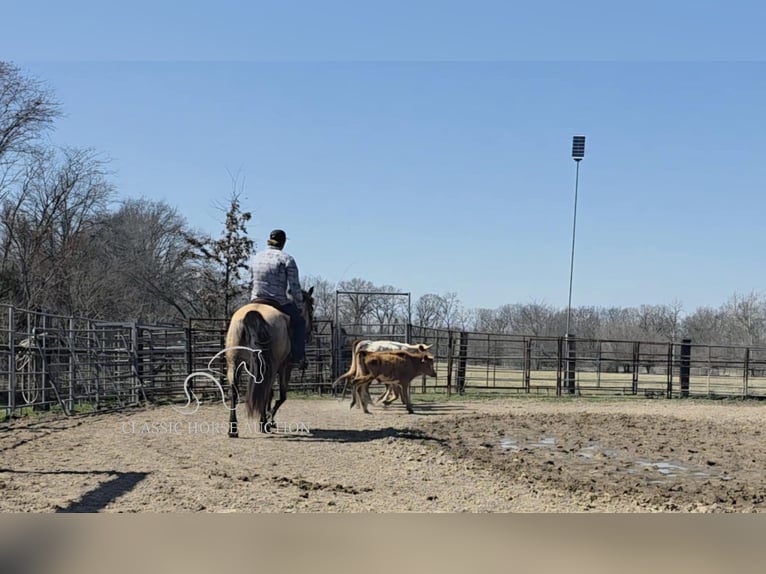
(311, 290)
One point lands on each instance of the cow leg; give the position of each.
(357, 389)
(353, 397)
(389, 394)
(359, 397)
(366, 398)
(406, 397)
(361, 388)
(361, 392)
(393, 394)
(382, 395)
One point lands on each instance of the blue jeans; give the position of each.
(298, 325)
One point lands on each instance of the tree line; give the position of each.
(739, 321)
(68, 246)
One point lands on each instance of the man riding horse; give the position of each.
(276, 281)
(266, 336)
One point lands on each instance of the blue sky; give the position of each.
(427, 145)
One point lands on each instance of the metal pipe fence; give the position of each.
(537, 365)
(54, 362)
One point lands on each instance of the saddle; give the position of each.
(268, 301)
(274, 303)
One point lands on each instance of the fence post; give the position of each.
(43, 348)
(189, 355)
(461, 364)
(598, 365)
(670, 371)
(559, 364)
(686, 353)
(746, 374)
(571, 362)
(450, 351)
(133, 356)
(636, 355)
(527, 364)
(11, 363)
(72, 359)
(93, 365)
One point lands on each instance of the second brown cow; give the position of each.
(390, 367)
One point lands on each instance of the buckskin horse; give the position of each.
(258, 344)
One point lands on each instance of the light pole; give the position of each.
(578, 152)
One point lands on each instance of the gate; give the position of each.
(380, 315)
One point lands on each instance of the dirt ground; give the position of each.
(500, 455)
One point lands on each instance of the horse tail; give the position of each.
(259, 384)
(252, 331)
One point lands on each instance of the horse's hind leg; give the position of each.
(233, 424)
(265, 415)
(284, 380)
(234, 397)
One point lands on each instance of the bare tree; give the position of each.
(675, 319)
(453, 311)
(503, 319)
(746, 318)
(226, 258)
(429, 310)
(324, 296)
(619, 323)
(586, 322)
(46, 222)
(483, 320)
(388, 308)
(705, 326)
(27, 111)
(147, 265)
(533, 319)
(356, 306)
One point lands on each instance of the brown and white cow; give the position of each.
(390, 367)
(369, 346)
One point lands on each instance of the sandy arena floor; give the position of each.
(502, 455)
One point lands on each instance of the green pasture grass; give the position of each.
(481, 376)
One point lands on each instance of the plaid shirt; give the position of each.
(274, 274)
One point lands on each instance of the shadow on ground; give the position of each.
(355, 435)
